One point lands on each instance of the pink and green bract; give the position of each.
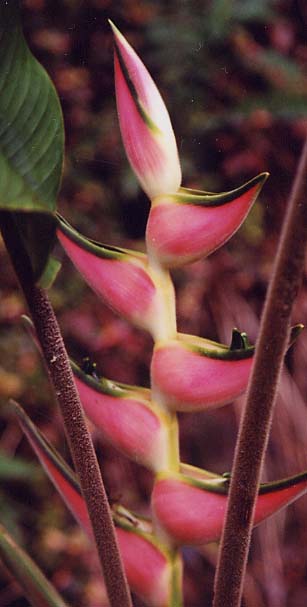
(144, 121)
(189, 507)
(189, 225)
(188, 373)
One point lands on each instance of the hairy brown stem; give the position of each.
(79, 439)
(256, 419)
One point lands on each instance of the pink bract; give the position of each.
(144, 121)
(193, 381)
(194, 515)
(148, 567)
(123, 284)
(128, 423)
(179, 232)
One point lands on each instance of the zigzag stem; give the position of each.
(167, 329)
(79, 439)
(166, 323)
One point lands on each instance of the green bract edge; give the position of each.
(51, 453)
(232, 353)
(283, 483)
(37, 588)
(96, 248)
(295, 332)
(121, 521)
(50, 273)
(131, 522)
(221, 484)
(189, 470)
(134, 526)
(207, 199)
(59, 463)
(104, 385)
(219, 351)
(218, 484)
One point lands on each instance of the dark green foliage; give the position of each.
(31, 141)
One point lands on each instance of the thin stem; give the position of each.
(173, 443)
(256, 419)
(176, 599)
(166, 328)
(79, 439)
(165, 324)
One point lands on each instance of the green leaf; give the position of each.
(50, 273)
(31, 139)
(37, 589)
(17, 469)
(31, 129)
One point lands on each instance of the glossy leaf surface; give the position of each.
(31, 140)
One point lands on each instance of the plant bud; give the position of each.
(144, 122)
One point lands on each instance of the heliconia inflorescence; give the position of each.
(188, 373)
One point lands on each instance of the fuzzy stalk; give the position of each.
(261, 395)
(78, 436)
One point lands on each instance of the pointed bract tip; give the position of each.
(114, 29)
(190, 224)
(15, 407)
(295, 332)
(144, 122)
(264, 176)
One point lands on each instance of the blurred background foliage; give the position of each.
(233, 75)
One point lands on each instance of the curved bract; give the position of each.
(194, 374)
(188, 373)
(126, 417)
(149, 566)
(118, 276)
(188, 225)
(122, 278)
(192, 511)
(144, 122)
